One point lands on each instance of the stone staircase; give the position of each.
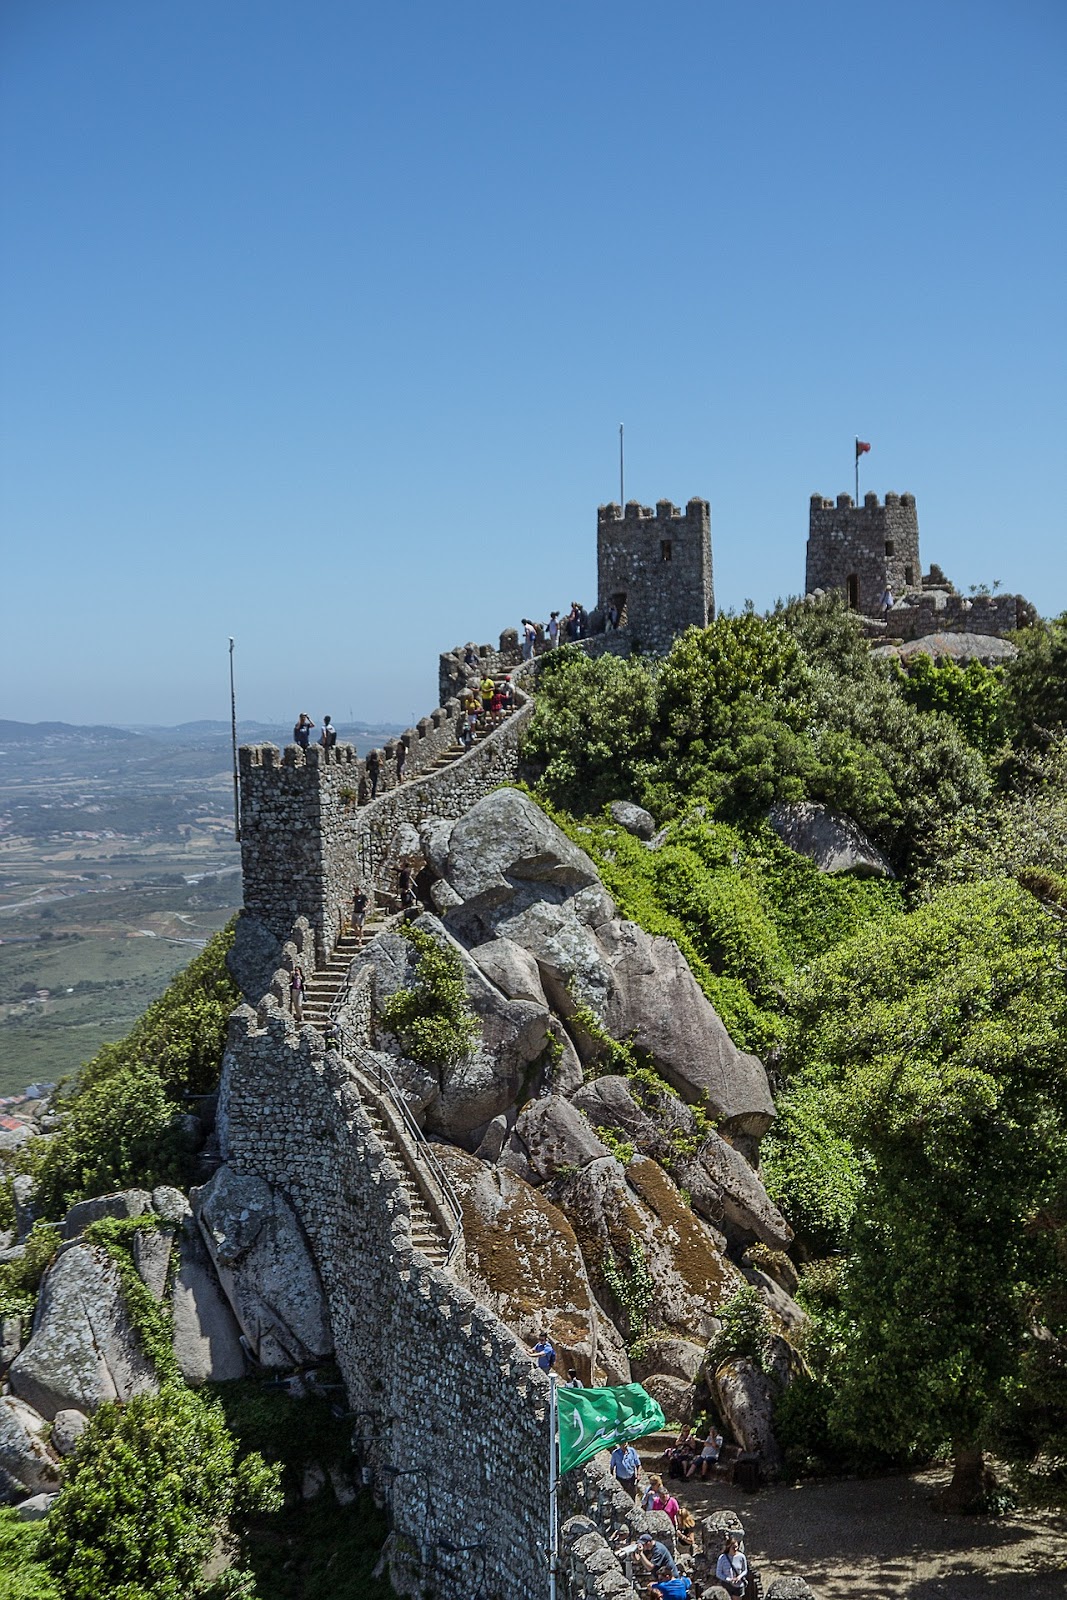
(454, 751)
(427, 1234)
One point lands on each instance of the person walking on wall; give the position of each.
(328, 736)
(625, 1465)
(296, 993)
(302, 731)
(529, 635)
(553, 630)
(374, 772)
(544, 1353)
(360, 903)
(405, 883)
(886, 602)
(401, 760)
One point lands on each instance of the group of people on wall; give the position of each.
(688, 1455)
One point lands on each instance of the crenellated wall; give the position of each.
(449, 1411)
(656, 566)
(862, 550)
(310, 831)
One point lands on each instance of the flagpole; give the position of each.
(857, 469)
(553, 1486)
(233, 736)
(622, 480)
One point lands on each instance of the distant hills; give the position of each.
(42, 733)
(186, 734)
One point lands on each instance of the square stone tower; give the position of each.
(655, 566)
(862, 550)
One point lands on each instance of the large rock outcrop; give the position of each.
(83, 1349)
(205, 1335)
(466, 1095)
(651, 1262)
(266, 1268)
(520, 878)
(27, 1466)
(523, 1260)
(833, 842)
(722, 1186)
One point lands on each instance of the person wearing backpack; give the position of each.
(328, 736)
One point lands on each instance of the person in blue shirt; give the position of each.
(671, 1588)
(625, 1465)
(545, 1353)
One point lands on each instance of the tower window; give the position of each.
(890, 548)
(853, 591)
(665, 549)
(909, 575)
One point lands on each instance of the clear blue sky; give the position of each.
(318, 318)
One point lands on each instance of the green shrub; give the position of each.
(23, 1575)
(746, 1330)
(19, 1280)
(150, 1487)
(120, 1122)
(432, 1020)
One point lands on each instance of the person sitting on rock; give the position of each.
(731, 1569)
(680, 1454)
(709, 1454)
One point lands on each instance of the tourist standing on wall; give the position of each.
(328, 736)
(529, 636)
(296, 993)
(553, 630)
(401, 760)
(360, 902)
(302, 731)
(374, 772)
(625, 1465)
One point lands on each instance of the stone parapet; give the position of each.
(310, 830)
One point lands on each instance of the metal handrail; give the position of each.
(387, 1084)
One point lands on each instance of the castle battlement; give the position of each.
(697, 512)
(844, 502)
(863, 550)
(654, 568)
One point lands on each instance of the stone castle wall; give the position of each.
(928, 613)
(656, 566)
(310, 832)
(875, 544)
(449, 1412)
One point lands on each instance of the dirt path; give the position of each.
(880, 1539)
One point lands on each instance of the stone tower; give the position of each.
(862, 550)
(655, 566)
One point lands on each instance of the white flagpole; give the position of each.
(553, 1486)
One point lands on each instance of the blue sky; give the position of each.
(318, 320)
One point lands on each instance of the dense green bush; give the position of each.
(1035, 685)
(23, 1575)
(973, 696)
(746, 1331)
(120, 1124)
(432, 1020)
(935, 1047)
(147, 1492)
(749, 711)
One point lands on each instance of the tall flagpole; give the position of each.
(553, 1484)
(233, 736)
(857, 469)
(622, 488)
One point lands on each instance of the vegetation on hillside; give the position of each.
(122, 1117)
(917, 1029)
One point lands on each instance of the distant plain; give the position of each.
(117, 862)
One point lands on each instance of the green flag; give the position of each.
(591, 1419)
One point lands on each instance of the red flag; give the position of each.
(861, 448)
